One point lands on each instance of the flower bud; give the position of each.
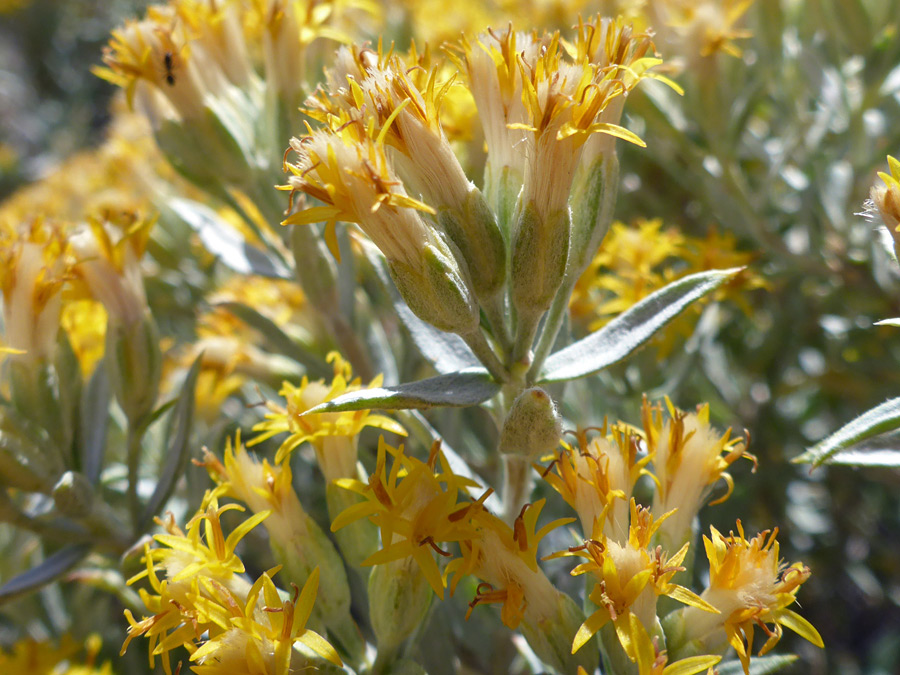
(399, 596)
(532, 428)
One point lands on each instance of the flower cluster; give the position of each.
(632, 552)
(204, 603)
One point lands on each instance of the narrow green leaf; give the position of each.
(887, 322)
(452, 390)
(878, 420)
(759, 666)
(177, 437)
(631, 329)
(446, 351)
(276, 340)
(94, 424)
(50, 569)
(222, 240)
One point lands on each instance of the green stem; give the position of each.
(482, 350)
(552, 325)
(496, 315)
(526, 328)
(133, 448)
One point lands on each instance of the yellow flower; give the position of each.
(704, 28)
(34, 265)
(353, 179)
(399, 101)
(505, 558)
(45, 658)
(651, 661)
(264, 633)
(415, 505)
(108, 257)
(334, 436)
(204, 576)
(597, 478)
(629, 576)
(750, 587)
(689, 457)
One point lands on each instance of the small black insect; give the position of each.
(168, 62)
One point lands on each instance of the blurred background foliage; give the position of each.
(773, 151)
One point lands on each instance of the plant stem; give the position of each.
(133, 448)
(552, 324)
(482, 350)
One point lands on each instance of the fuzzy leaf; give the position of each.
(758, 666)
(222, 240)
(878, 420)
(47, 571)
(461, 389)
(94, 424)
(177, 436)
(446, 351)
(631, 329)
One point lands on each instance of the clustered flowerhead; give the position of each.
(633, 552)
(382, 158)
(204, 602)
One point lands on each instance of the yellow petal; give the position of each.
(320, 646)
(800, 626)
(692, 665)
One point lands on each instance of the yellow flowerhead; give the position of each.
(398, 100)
(689, 457)
(597, 478)
(334, 436)
(108, 257)
(34, 265)
(629, 576)
(505, 559)
(203, 581)
(350, 174)
(692, 28)
(46, 658)
(261, 486)
(262, 633)
(886, 199)
(751, 588)
(416, 506)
